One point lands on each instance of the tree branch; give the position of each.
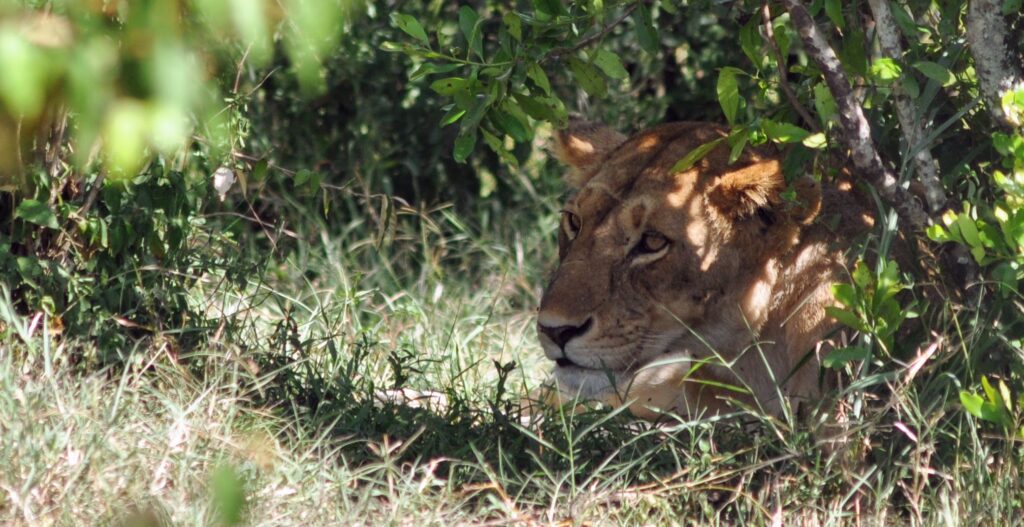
(769, 32)
(986, 37)
(913, 130)
(589, 39)
(856, 133)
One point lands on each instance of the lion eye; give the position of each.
(571, 223)
(651, 242)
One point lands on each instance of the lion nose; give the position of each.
(561, 335)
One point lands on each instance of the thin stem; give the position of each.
(769, 32)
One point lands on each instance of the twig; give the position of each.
(913, 130)
(769, 31)
(855, 130)
(97, 185)
(986, 36)
(239, 69)
(586, 41)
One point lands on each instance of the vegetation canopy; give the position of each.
(278, 261)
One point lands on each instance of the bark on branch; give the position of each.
(856, 133)
(914, 131)
(986, 37)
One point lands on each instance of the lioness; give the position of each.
(679, 290)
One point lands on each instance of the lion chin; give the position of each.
(685, 291)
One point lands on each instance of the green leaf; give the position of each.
(464, 144)
(885, 70)
(728, 92)
(476, 112)
(834, 11)
(610, 64)
(842, 356)
(537, 75)
(784, 132)
(752, 43)
(935, 71)
(990, 392)
(550, 7)
(782, 36)
(228, 493)
(513, 24)
(910, 86)
(937, 233)
(510, 125)
(824, 104)
(453, 114)
(543, 108)
(410, 26)
(845, 294)
(845, 317)
(903, 19)
(469, 23)
(816, 141)
(430, 68)
(738, 139)
(968, 230)
(448, 86)
(36, 212)
(646, 33)
(971, 402)
(695, 155)
(588, 77)
(1012, 6)
(125, 132)
(495, 144)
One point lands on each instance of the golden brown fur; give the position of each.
(672, 285)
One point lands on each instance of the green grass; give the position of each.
(281, 404)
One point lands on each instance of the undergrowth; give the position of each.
(364, 383)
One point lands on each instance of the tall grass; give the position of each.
(372, 374)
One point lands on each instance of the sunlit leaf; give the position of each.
(885, 70)
(250, 20)
(124, 136)
(23, 75)
(695, 155)
(816, 141)
(784, 132)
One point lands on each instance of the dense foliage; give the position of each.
(290, 185)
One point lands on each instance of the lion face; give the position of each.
(658, 265)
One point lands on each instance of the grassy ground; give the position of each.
(282, 410)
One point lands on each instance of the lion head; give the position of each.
(677, 289)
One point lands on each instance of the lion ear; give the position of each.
(582, 145)
(741, 193)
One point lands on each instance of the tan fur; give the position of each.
(738, 297)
